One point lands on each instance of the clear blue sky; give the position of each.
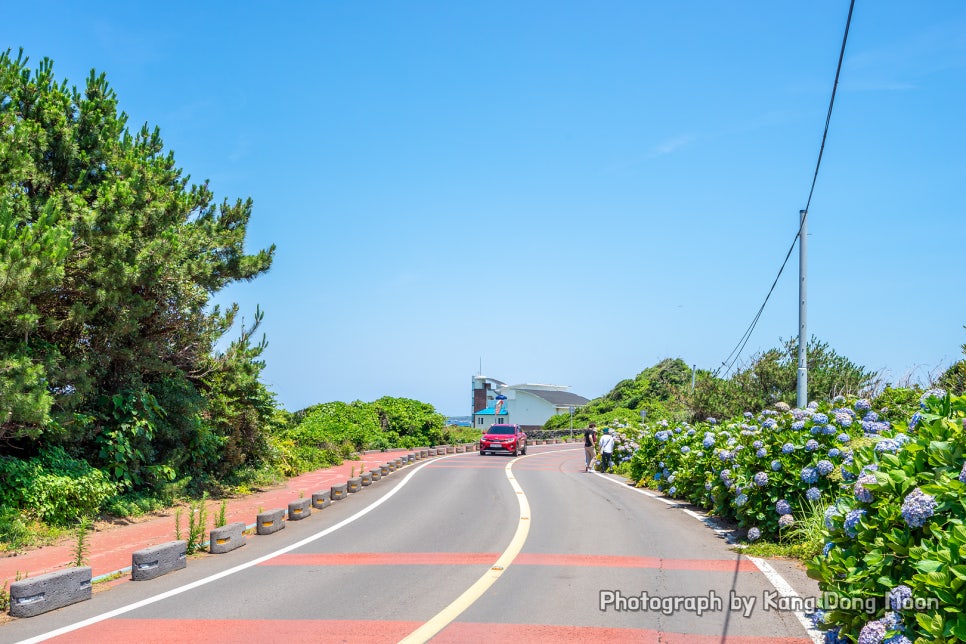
(567, 191)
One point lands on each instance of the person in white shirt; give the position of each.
(606, 449)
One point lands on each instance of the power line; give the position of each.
(736, 352)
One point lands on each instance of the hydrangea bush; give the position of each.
(896, 537)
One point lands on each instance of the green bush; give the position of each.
(54, 487)
(896, 538)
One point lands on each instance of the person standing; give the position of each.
(590, 446)
(606, 449)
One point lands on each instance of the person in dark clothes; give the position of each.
(590, 446)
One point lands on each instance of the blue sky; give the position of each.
(568, 192)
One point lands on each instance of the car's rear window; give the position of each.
(501, 429)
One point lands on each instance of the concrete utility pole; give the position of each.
(802, 310)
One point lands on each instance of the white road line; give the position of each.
(442, 619)
(225, 573)
(783, 587)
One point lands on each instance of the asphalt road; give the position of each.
(464, 548)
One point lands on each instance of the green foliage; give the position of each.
(408, 423)
(54, 487)
(108, 262)
(197, 524)
(81, 543)
(222, 520)
(886, 536)
(953, 379)
(771, 377)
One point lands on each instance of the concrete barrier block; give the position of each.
(353, 485)
(338, 492)
(270, 522)
(424, 453)
(385, 469)
(226, 538)
(298, 510)
(398, 462)
(460, 449)
(376, 473)
(392, 466)
(417, 455)
(366, 478)
(322, 499)
(36, 595)
(154, 561)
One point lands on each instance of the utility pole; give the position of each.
(802, 309)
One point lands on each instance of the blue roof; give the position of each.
(489, 411)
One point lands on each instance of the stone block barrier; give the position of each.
(366, 478)
(424, 453)
(322, 499)
(158, 560)
(460, 449)
(270, 522)
(298, 510)
(353, 485)
(338, 492)
(36, 595)
(376, 473)
(384, 469)
(226, 538)
(392, 466)
(398, 463)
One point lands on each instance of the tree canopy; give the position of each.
(109, 259)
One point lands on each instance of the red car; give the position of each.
(508, 439)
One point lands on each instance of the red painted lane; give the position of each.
(225, 631)
(231, 631)
(523, 559)
(521, 633)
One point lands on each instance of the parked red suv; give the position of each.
(504, 438)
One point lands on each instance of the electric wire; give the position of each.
(736, 352)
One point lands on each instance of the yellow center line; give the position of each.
(442, 619)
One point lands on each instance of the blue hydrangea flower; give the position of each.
(761, 479)
(788, 448)
(754, 534)
(887, 445)
(843, 419)
(811, 445)
(852, 521)
(741, 499)
(708, 442)
(685, 449)
(862, 493)
(872, 633)
(769, 423)
(812, 406)
(900, 597)
(819, 419)
(813, 494)
(757, 444)
(673, 490)
(962, 473)
(862, 404)
(809, 475)
(824, 467)
(871, 416)
(785, 520)
(708, 486)
(663, 435)
(897, 639)
(761, 453)
(798, 425)
(827, 548)
(916, 417)
(891, 620)
(835, 452)
(917, 508)
(776, 466)
(712, 421)
(843, 438)
(783, 507)
(829, 429)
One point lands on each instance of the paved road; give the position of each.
(464, 548)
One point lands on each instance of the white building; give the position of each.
(527, 405)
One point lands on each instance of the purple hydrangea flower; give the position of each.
(761, 479)
(761, 453)
(757, 444)
(809, 475)
(852, 521)
(811, 445)
(813, 494)
(708, 486)
(824, 467)
(754, 534)
(862, 404)
(843, 419)
(712, 421)
(782, 507)
(872, 633)
(785, 520)
(900, 597)
(962, 473)
(861, 492)
(917, 508)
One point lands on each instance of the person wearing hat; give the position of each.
(590, 446)
(606, 449)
